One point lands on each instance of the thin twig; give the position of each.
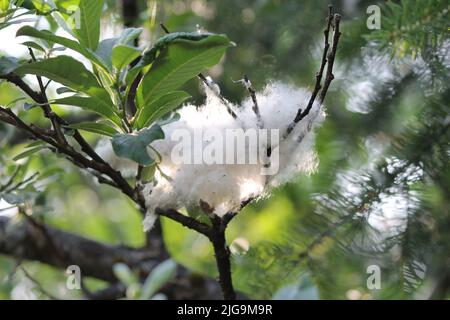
(227, 218)
(186, 221)
(20, 184)
(327, 58)
(11, 179)
(48, 112)
(8, 116)
(85, 147)
(330, 76)
(38, 285)
(249, 87)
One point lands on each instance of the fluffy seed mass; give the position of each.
(225, 186)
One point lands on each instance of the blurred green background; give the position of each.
(380, 195)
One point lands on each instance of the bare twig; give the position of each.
(78, 159)
(48, 112)
(330, 76)
(37, 97)
(227, 218)
(11, 188)
(327, 58)
(10, 180)
(186, 221)
(38, 285)
(164, 28)
(97, 259)
(249, 87)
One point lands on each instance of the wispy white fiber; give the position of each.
(225, 186)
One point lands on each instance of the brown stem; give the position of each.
(78, 159)
(252, 92)
(330, 76)
(327, 58)
(26, 241)
(48, 112)
(216, 234)
(37, 97)
(186, 221)
(222, 255)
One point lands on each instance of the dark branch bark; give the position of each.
(40, 99)
(130, 13)
(78, 159)
(186, 221)
(248, 86)
(330, 76)
(327, 61)
(45, 106)
(27, 241)
(222, 255)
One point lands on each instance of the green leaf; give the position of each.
(65, 70)
(41, 5)
(134, 146)
(148, 173)
(34, 45)
(27, 153)
(123, 55)
(95, 127)
(62, 90)
(49, 172)
(129, 35)
(69, 72)
(162, 274)
(71, 44)
(35, 144)
(13, 198)
(124, 274)
(14, 102)
(8, 64)
(28, 106)
(90, 14)
(168, 119)
(178, 62)
(4, 5)
(91, 104)
(105, 48)
(156, 110)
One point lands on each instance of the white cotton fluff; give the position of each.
(224, 187)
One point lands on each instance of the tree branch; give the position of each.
(248, 86)
(222, 255)
(186, 221)
(26, 241)
(78, 159)
(48, 112)
(330, 76)
(327, 58)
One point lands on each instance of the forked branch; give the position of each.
(328, 57)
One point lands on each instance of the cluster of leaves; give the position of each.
(105, 88)
(21, 186)
(160, 276)
(412, 27)
(20, 11)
